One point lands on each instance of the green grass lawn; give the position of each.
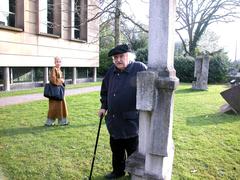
(207, 143)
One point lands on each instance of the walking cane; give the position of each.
(95, 149)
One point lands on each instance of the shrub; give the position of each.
(219, 65)
(184, 67)
(104, 62)
(142, 55)
(218, 68)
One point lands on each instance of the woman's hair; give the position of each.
(56, 58)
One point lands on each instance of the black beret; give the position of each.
(119, 49)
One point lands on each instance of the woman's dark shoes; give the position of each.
(113, 175)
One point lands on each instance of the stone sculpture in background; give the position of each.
(201, 73)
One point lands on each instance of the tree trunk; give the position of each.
(117, 22)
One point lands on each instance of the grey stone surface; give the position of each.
(153, 162)
(144, 131)
(145, 90)
(226, 108)
(147, 166)
(162, 117)
(155, 91)
(136, 164)
(201, 73)
(161, 34)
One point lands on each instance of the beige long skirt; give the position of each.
(57, 109)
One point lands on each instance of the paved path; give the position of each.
(5, 101)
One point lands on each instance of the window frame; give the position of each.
(18, 16)
(83, 24)
(44, 26)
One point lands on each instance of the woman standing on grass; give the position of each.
(57, 109)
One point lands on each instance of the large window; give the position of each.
(84, 72)
(20, 74)
(11, 13)
(8, 13)
(50, 17)
(79, 19)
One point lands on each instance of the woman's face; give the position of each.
(58, 62)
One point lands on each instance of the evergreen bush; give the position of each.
(184, 67)
(104, 62)
(219, 66)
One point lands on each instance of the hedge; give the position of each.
(219, 66)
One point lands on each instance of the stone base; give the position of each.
(161, 167)
(226, 108)
(135, 164)
(199, 86)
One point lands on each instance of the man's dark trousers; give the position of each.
(119, 149)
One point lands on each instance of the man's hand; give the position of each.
(101, 112)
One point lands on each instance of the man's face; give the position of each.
(121, 61)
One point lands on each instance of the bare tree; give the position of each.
(109, 12)
(194, 16)
(117, 21)
(113, 14)
(209, 42)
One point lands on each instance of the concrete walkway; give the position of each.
(5, 101)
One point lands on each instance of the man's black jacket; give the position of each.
(118, 97)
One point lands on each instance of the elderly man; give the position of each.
(118, 102)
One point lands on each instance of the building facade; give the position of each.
(33, 32)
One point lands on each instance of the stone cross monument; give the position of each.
(155, 90)
(201, 73)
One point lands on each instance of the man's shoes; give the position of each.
(113, 175)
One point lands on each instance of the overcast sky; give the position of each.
(229, 33)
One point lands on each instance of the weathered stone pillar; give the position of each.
(201, 73)
(155, 95)
(94, 74)
(45, 75)
(74, 78)
(6, 79)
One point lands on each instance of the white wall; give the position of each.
(27, 49)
